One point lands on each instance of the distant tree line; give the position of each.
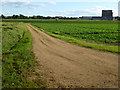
(20, 16)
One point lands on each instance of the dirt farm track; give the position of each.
(66, 65)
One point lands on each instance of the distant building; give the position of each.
(107, 15)
(91, 18)
(86, 18)
(96, 18)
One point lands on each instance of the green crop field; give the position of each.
(18, 60)
(100, 32)
(101, 35)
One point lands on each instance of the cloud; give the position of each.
(7, 13)
(96, 11)
(73, 12)
(61, 0)
(16, 3)
(52, 2)
(80, 13)
(26, 1)
(75, 0)
(35, 6)
(58, 12)
(22, 3)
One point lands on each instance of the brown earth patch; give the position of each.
(64, 65)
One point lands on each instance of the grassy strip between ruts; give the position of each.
(19, 66)
(102, 47)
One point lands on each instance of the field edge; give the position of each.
(101, 47)
(19, 65)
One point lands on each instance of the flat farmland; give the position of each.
(101, 35)
(34, 55)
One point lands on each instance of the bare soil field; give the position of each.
(65, 65)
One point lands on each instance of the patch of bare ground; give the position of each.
(62, 64)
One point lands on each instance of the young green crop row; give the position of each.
(93, 31)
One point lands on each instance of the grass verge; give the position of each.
(11, 34)
(19, 65)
